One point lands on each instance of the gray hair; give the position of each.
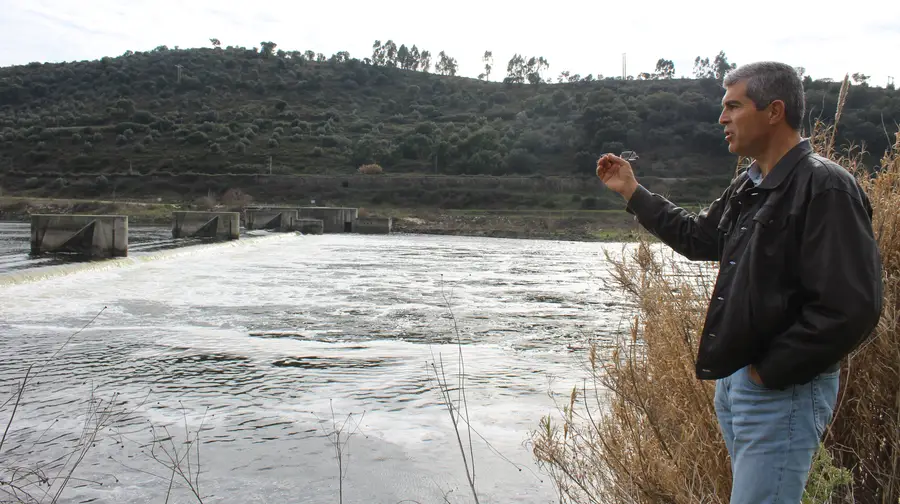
(768, 81)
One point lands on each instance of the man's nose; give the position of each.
(723, 118)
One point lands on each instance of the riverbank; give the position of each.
(575, 225)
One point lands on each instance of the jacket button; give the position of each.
(732, 263)
(712, 335)
(720, 298)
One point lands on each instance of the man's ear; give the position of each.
(776, 112)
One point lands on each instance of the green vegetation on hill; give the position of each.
(290, 125)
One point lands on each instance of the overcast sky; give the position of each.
(828, 38)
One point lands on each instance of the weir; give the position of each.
(278, 219)
(309, 226)
(373, 225)
(96, 236)
(334, 219)
(224, 225)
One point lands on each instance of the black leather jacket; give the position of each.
(800, 281)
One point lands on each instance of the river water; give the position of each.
(258, 348)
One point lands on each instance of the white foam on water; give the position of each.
(43, 273)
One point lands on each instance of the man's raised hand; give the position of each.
(616, 174)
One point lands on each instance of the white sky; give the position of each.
(827, 37)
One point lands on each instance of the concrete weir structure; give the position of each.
(278, 219)
(373, 225)
(225, 225)
(334, 219)
(309, 226)
(99, 236)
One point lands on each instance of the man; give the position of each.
(799, 282)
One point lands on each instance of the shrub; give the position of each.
(236, 199)
(197, 137)
(370, 169)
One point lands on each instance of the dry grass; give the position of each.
(645, 430)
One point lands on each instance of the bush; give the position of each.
(370, 169)
(198, 137)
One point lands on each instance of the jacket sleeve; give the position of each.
(841, 280)
(695, 236)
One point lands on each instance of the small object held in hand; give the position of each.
(629, 155)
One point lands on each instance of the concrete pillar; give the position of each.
(335, 220)
(309, 226)
(98, 236)
(224, 225)
(373, 225)
(278, 219)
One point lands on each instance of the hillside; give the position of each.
(180, 124)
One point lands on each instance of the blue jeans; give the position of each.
(772, 435)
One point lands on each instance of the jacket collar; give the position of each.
(784, 166)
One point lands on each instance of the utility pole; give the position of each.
(624, 72)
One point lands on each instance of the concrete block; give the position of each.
(373, 225)
(334, 219)
(86, 235)
(223, 225)
(277, 219)
(309, 226)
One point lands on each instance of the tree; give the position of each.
(390, 53)
(665, 69)
(535, 67)
(267, 48)
(403, 57)
(378, 54)
(519, 70)
(721, 66)
(563, 77)
(859, 78)
(515, 70)
(310, 55)
(488, 60)
(703, 69)
(215, 42)
(425, 61)
(446, 65)
(414, 58)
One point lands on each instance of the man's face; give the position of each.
(746, 129)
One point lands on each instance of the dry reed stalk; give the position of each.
(653, 435)
(865, 435)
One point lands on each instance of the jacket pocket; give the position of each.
(771, 237)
